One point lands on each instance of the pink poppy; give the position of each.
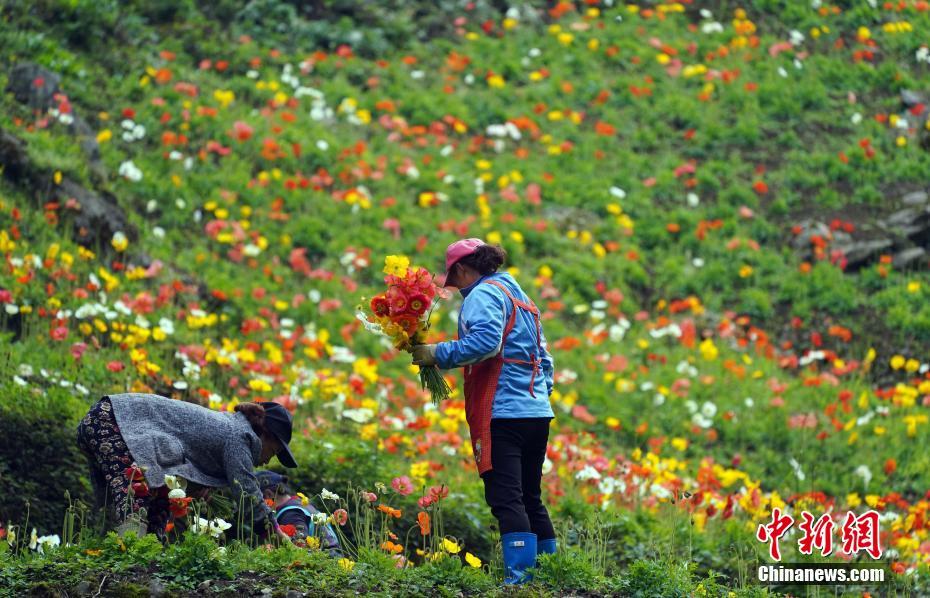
(402, 485)
(77, 350)
(341, 516)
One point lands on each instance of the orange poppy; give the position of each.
(423, 520)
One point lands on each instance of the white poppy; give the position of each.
(44, 542)
(360, 416)
(546, 466)
(865, 473)
(700, 421)
(130, 171)
(588, 473)
(708, 409)
(327, 495)
(618, 192)
(218, 526)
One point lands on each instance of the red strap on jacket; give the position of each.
(535, 361)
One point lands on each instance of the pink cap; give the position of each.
(460, 249)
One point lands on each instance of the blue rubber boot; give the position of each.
(545, 546)
(519, 555)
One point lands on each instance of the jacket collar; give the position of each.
(465, 291)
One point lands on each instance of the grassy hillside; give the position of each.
(722, 212)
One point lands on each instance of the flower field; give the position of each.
(721, 210)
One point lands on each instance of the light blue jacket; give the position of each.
(485, 312)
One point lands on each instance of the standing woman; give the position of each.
(125, 432)
(508, 380)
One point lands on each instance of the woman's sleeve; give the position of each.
(548, 365)
(483, 315)
(241, 478)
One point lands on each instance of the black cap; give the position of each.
(269, 480)
(278, 422)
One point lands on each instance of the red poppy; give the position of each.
(398, 301)
(134, 474)
(418, 304)
(379, 306)
(140, 489)
(289, 530)
(408, 323)
(179, 506)
(439, 492)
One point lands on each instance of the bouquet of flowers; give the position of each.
(402, 314)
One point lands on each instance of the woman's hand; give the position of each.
(282, 536)
(424, 355)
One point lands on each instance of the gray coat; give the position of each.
(208, 447)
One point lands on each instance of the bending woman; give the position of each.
(508, 380)
(163, 436)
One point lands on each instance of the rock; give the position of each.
(860, 253)
(809, 228)
(204, 585)
(267, 591)
(156, 588)
(36, 86)
(842, 237)
(567, 217)
(33, 85)
(909, 222)
(911, 98)
(916, 198)
(13, 156)
(83, 588)
(293, 594)
(901, 218)
(909, 258)
(98, 217)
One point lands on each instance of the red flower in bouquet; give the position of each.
(418, 304)
(380, 306)
(422, 281)
(398, 301)
(408, 323)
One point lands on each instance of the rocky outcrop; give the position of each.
(917, 113)
(904, 234)
(97, 216)
(37, 87)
